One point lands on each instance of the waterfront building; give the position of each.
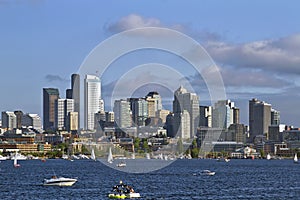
(92, 97)
(9, 120)
(50, 95)
(184, 100)
(205, 119)
(122, 113)
(259, 118)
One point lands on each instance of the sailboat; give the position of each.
(93, 157)
(268, 156)
(110, 156)
(295, 158)
(16, 161)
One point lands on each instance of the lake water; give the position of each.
(237, 179)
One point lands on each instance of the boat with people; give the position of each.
(59, 181)
(123, 191)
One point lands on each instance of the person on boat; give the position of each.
(54, 177)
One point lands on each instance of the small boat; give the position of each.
(295, 158)
(110, 156)
(16, 165)
(59, 181)
(121, 164)
(208, 172)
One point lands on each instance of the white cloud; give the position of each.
(279, 56)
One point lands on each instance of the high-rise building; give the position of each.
(184, 100)
(259, 118)
(74, 93)
(110, 116)
(275, 117)
(205, 119)
(50, 95)
(62, 109)
(32, 120)
(154, 103)
(9, 120)
(139, 109)
(19, 115)
(225, 114)
(122, 113)
(162, 114)
(72, 122)
(92, 97)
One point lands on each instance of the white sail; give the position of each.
(110, 156)
(93, 157)
(295, 158)
(15, 160)
(268, 157)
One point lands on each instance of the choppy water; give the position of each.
(238, 179)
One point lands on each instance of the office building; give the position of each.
(259, 118)
(50, 95)
(122, 113)
(9, 120)
(225, 114)
(32, 120)
(139, 109)
(74, 93)
(154, 103)
(275, 117)
(205, 119)
(92, 97)
(184, 100)
(62, 109)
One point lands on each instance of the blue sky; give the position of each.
(256, 45)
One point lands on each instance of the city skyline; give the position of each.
(256, 54)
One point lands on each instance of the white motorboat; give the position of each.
(59, 181)
(121, 164)
(208, 172)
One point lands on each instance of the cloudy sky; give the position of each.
(255, 44)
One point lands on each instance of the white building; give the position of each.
(92, 99)
(62, 108)
(9, 120)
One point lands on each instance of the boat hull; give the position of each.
(60, 182)
(124, 196)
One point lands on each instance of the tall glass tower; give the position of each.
(92, 97)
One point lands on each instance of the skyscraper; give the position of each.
(259, 118)
(74, 93)
(122, 113)
(154, 103)
(225, 114)
(184, 100)
(50, 95)
(62, 109)
(139, 108)
(205, 119)
(92, 97)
